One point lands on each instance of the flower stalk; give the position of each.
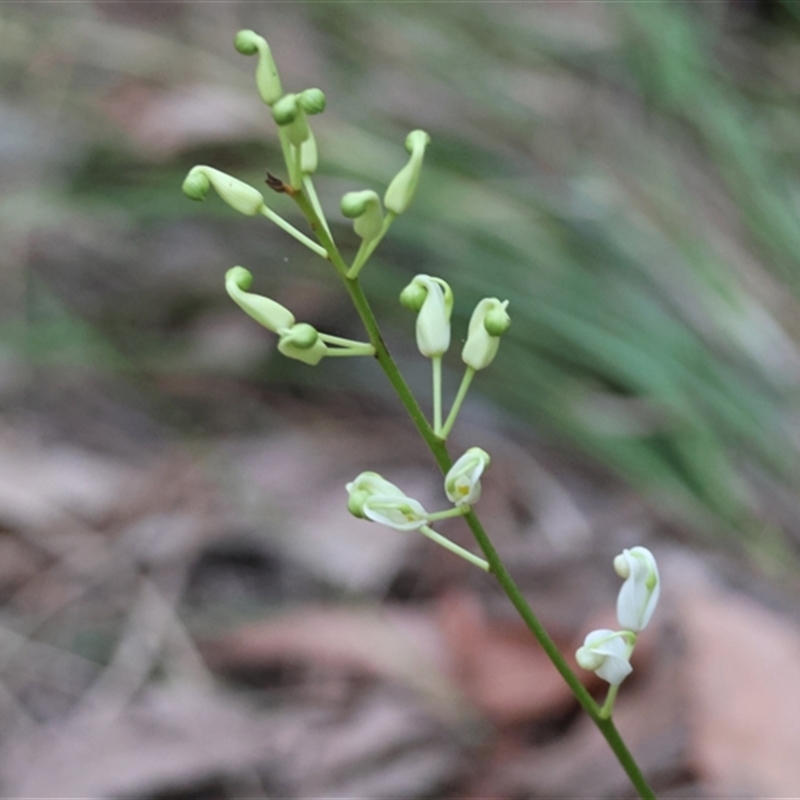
(370, 496)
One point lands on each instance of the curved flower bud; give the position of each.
(372, 497)
(462, 483)
(606, 653)
(302, 343)
(639, 594)
(249, 43)
(365, 209)
(401, 190)
(288, 114)
(363, 487)
(266, 312)
(488, 322)
(237, 194)
(433, 317)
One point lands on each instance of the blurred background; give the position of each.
(187, 609)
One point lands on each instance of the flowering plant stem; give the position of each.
(599, 715)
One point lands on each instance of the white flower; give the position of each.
(373, 497)
(606, 653)
(639, 594)
(401, 513)
(463, 481)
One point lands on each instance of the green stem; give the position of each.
(436, 363)
(454, 548)
(368, 248)
(608, 707)
(292, 231)
(308, 185)
(438, 449)
(469, 374)
(605, 725)
(329, 338)
(458, 511)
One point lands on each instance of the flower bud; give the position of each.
(285, 111)
(462, 484)
(489, 320)
(638, 596)
(302, 343)
(413, 296)
(312, 101)
(266, 312)
(249, 43)
(363, 487)
(433, 317)
(606, 653)
(372, 497)
(401, 190)
(289, 114)
(365, 208)
(237, 194)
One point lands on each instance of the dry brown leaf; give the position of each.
(401, 647)
(498, 664)
(742, 672)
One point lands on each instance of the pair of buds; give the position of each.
(608, 652)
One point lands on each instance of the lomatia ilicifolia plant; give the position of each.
(370, 496)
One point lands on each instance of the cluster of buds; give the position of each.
(432, 300)
(297, 340)
(290, 112)
(608, 652)
(374, 498)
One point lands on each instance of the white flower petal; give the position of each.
(639, 593)
(401, 513)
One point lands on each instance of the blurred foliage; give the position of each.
(625, 173)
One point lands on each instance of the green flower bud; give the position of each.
(273, 316)
(246, 42)
(288, 114)
(413, 296)
(433, 317)
(303, 336)
(365, 208)
(482, 344)
(302, 343)
(196, 185)
(237, 194)
(249, 43)
(285, 111)
(401, 190)
(312, 101)
(497, 321)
